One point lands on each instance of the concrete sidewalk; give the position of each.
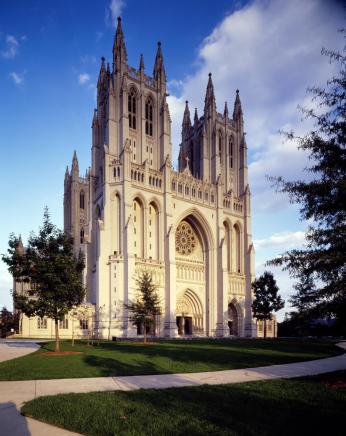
(14, 393)
(11, 349)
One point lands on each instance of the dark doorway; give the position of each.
(188, 325)
(233, 320)
(180, 325)
(184, 324)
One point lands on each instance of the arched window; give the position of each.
(237, 247)
(81, 199)
(153, 229)
(231, 152)
(227, 246)
(149, 117)
(82, 236)
(132, 109)
(220, 147)
(138, 224)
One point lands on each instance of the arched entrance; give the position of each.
(192, 256)
(189, 314)
(233, 323)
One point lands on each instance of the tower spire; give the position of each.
(119, 49)
(209, 102)
(186, 125)
(102, 73)
(237, 112)
(141, 63)
(20, 247)
(186, 118)
(195, 119)
(75, 166)
(159, 68)
(225, 112)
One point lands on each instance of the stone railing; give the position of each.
(185, 185)
(236, 283)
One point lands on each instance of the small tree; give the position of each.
(52, 271)
(82, 313)
(144, 311)
(6, 321)
(267, 299)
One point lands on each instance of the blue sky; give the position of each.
(49, 62)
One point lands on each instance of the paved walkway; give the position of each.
(10, 349)
(14, 393)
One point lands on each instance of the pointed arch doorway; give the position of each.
(189, 314)
(233, 321)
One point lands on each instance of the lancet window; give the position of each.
(149, 117)
(132, 109)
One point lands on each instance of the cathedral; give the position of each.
(133, 212)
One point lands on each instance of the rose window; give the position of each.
(185, 239)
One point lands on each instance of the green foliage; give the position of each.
(320, 267)
(308, 406)
(267, 299)
(7, 321)
(145, 310)
(51, 270)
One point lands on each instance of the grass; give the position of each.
(307, 406)
(130, 358)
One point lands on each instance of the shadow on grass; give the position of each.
(112, 367)
(261, 408)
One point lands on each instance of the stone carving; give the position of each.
(185, 239)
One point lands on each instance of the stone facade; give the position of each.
(190, 228)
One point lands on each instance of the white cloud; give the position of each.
(18, 78)
(271, 51)
(83, 78)
(286, 239)
(88, 59)
(114, 11)
(11, 48)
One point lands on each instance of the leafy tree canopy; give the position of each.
(320, 267)
(53, 273)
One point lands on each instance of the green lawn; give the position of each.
(281, 407)
(130, 358)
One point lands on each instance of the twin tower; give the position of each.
(133, 212)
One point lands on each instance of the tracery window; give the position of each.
(42, 323)
(81, 199)
(185, 239)
(149, 117)
(231, 153)
(132, 109)
(220, 147)
(63, 324)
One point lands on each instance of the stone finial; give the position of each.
(141, 63)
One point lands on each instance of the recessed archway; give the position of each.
(233, 320)
(193, 252)
(189, 314)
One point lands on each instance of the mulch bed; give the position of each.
(60, 353)
(340, 384)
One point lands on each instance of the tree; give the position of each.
(6, 322)
(144, 312)
(267, 299)
(51, 269)
(320, 267)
